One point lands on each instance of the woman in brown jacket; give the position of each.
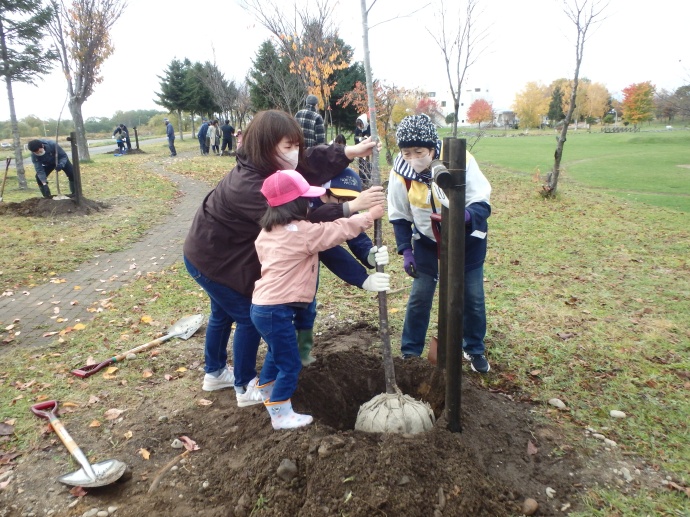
(219, 250)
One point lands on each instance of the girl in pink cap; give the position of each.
(288, 248)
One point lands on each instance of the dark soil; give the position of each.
(484, 471)
(42, 207)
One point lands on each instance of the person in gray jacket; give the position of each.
(170, 132)
(47, 156)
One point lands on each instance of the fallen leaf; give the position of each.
(111, 369)
(93, 399)
(79, 326)
(144, 453)
(535, 373)
(49, 334)
(56, 310)
(189, 444)
(69, 404)
(168, 377)
(11, 421)
(204, 402)
(565, 335)
(128, 435)
(113, 413)
(531, 448)
(676, 486)
(109, 377)
(154, 353)
(77, 491)
(77, 287)
(95, 423)
(90, 361)
(60, 320)
(6, 429)
(9, 327)
(41, 398)
(181, 369)
(3, 484)
(146, 319)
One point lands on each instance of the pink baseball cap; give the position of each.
(285, 186)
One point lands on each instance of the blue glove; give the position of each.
(467, 216)
(409, 263)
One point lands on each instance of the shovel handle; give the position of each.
(51, 405)
(88, 370)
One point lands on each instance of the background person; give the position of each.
(170, 133)
(228, 132)
(47, 156)
(311, 123)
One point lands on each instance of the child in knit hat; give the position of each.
(411, 201)
(288, 248)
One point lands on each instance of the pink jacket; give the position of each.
(289, 257)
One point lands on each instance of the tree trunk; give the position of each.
(179, 124)
(19, 163)
(18, 160)
(456, 105)
(78, 119)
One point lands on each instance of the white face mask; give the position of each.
(290, 158)
(420, 164)
(40, 152)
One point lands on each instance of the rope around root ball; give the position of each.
(394, 413)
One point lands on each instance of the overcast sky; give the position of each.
(528, 40)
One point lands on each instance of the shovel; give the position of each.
(184, 329)
(98, 474)
(4, 178)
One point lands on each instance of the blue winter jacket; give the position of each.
(46, 164)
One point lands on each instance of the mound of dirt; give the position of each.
(42, 207)
(246, 468)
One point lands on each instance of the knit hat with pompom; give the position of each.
(416, 131)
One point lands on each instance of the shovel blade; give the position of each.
(186, 327)
(107, 472)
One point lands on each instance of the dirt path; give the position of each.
(97, 278)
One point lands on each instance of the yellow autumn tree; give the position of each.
(531, 104)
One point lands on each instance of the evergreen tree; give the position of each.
(173, 94)
(198, 97)
(344, 118)
(556, 106)
(23, 24)
(271, 85)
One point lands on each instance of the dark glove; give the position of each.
(58, 167)
(409, 263)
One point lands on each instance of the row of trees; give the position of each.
(34, 127)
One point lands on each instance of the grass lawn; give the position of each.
(588, 296)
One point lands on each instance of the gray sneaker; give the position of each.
(226, 379)
(250, 396)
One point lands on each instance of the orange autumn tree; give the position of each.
(309, 39)
(480, 111)
(385, 99)
(638, 102)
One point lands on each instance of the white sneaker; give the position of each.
(250, 396)
(226, 379)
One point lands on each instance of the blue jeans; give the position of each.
(282, 363)
(421, 299)
(171, 146)
(228, 307)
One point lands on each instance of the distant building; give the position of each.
(469, 94)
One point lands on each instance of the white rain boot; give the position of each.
(265, 389)
(283, 417)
